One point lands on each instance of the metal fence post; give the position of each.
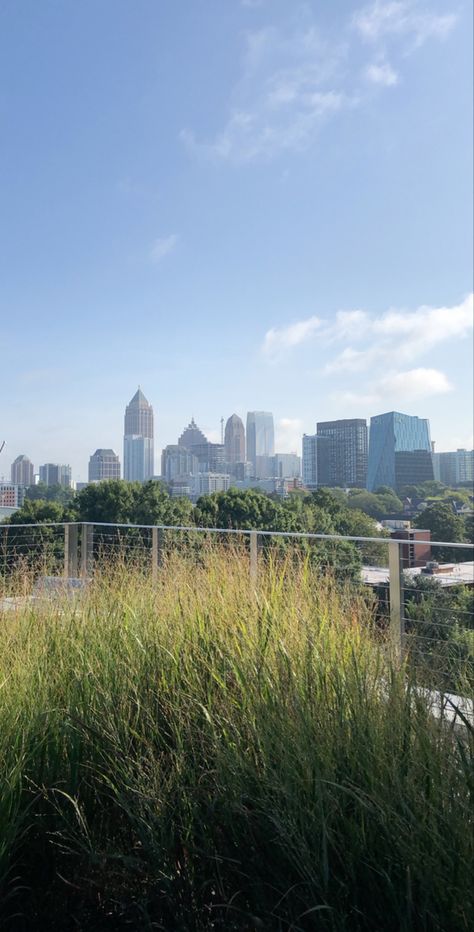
(397, 623)
(253, 557)
(87, 543)
(157, 538)
(70, 549)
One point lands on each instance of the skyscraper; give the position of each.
(55, 474)
(22, 471)
(234, 440)
(315, 460)
(104, 464)
(399, 451)
(209, 455)
(138, 446)
(260, 440)
(347, 452)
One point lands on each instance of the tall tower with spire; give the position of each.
(138, 442)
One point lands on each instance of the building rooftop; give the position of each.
(448, 574)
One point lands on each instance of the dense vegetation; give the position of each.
(193, 753)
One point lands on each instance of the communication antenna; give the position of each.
(222, 431)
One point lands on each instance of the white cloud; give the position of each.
(162, 247)
(277, 341)
(381, 73)
(415, 383)
(405, 335)
(288, 435)
(403, 19)
(396, 387)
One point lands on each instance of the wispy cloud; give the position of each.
(381, 73)
(277, 341)
(296, 78)
(162, 247)
(384, 19)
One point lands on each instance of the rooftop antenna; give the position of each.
(222, 431)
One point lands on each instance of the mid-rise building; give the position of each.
(260, 440)
(11, 495)
(104, 464)
(417, 549)
(347, 452)
(315, 461)
(454, 467)
(55, 474)
(234, 440)
(22, 472)
(392, 437)
(138, 441)
(208, 482)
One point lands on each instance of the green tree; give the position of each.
(154, 505)
(50, 493)
(445, 525)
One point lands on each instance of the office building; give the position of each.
(392, 437)
(11, 495)
(177, 462)
(192, 436)
(315, 461)
(260, 441)
(55, 474)
(347, 452)
(234, 440)
(208, 482)
(454, 467)
(138, 442)
(104, 464)
(22, 471)
(286, 466)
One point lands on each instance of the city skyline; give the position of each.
(204, 437)
(243, 206)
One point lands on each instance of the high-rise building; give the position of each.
(260, 440)
(138, 445)
(315, 460)
(346, 452)
(22, 472)
(211, 456)
(392, 437)
(286, 466)
(192, 436)
(104, 464)
(177, 461)
(55, 474)
(234, 440)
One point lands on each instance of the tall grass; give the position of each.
(194, 753)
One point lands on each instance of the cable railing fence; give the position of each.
(425, 613)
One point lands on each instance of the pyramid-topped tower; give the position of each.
(138, 441)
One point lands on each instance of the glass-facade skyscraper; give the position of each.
(138, 442)
(260, 439)
(399, 451)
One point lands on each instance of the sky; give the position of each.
(237, 205)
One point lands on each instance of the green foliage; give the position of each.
(236, 759)
(39, 512)
(246, 509)
(445, 525)
(50, 493)
(376, 505)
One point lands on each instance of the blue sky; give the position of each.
(237, 204)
